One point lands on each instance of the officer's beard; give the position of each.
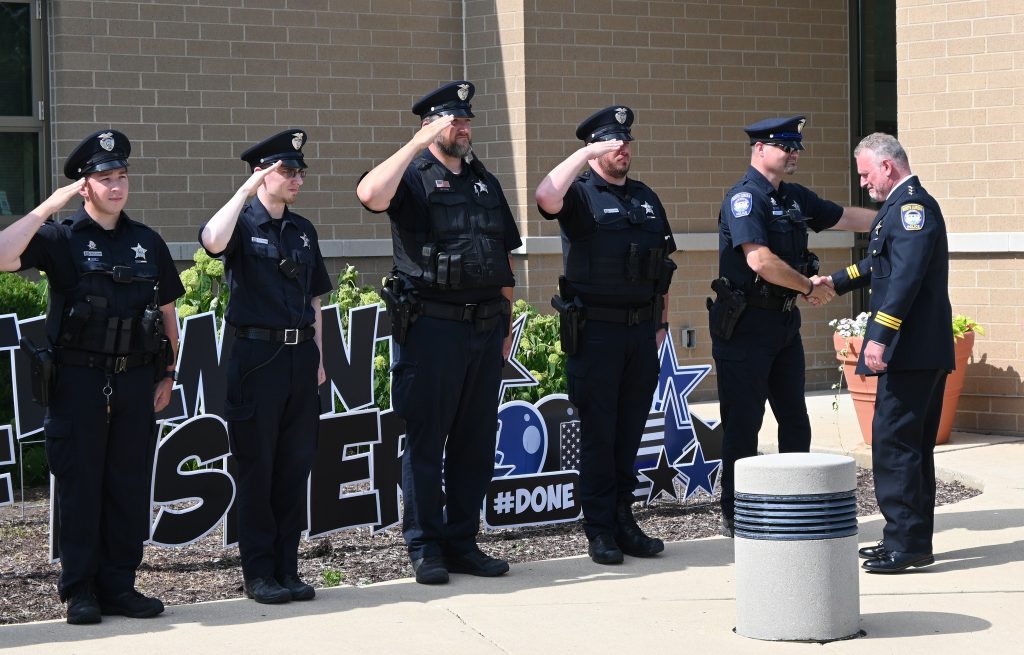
(454, 148)
(612, 168)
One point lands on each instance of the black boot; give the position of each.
(630, 538)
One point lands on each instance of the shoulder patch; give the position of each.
(741, 204)
(912, 215)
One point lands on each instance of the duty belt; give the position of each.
(625, 315)
(479, 313)
(774, 303)
(109, 363)
(288, 336)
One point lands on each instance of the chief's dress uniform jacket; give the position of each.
(103, 462)
(447, 375)
(764, 359)
(272, 405)
(613, 374)
(908, 269)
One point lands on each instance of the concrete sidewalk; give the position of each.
(684, 600)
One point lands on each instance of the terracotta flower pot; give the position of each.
(863, 388)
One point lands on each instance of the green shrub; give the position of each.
(205, 288)
(349, 295)
(541, 352)
(22, 297)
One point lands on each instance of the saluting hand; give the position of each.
(429, 132)
(598, 148)
(61, 197)
(252, 185)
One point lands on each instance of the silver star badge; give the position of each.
(140, 252)
(305, 240)
(649, 208)
(479, 187)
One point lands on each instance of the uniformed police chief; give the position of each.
(908, 345)
(448, 298)
(112, 331)
(764, 266)
(276, 273)
(613, 302)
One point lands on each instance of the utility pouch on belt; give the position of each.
(162, 358)
(668, 267)
(569, 318)
(811, 264)
(399, 307)
(726, 309)
(42, 370)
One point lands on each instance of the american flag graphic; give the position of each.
(569, 442)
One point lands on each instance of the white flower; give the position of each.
(851, 327)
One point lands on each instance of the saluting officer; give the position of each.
(452, 231)
(908, 345)
(764, 261)
(616, 242)
(276, 273)
(113, 331)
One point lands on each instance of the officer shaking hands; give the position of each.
(108, 366)
(764, 266)
(449, 299)
(613, 307)
(908, 345)
(276, 274)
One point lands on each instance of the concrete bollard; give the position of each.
(796, 547)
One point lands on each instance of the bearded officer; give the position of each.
(616, 243)
(112, 329)
(276, 273)
(452, 230)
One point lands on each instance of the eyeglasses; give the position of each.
(289, 173)
(784, 148)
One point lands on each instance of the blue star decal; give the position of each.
(675, 383)
(698, 472)
(514, 374)
(662, 478)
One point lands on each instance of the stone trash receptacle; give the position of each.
(796, 547)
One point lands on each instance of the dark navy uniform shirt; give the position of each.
(261, 295)
(908, 269)
(408, 211)
(130, 242)
(752, 210)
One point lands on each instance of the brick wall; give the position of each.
(961, 86)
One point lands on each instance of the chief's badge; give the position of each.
(107, 141)
(463, 92)
(912, 216)
(620, 115)
(741, 204)
(297, 140)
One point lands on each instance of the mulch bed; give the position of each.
(206, 571)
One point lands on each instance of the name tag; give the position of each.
(260, 240)
(613, 210)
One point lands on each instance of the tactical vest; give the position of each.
(464, 247)
(787, 239)
(106, 312)
(624, 256)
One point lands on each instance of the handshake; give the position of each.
(822, 292)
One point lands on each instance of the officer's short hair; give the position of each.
(885, 146)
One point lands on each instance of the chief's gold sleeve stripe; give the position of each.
(853, 271)
(888, 321)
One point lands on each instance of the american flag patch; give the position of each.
(569, 442)
(441, 184)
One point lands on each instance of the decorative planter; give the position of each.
(863, 388)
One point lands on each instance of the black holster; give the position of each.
(400, 307)
(570, 321)
(162, 357)
(725, 311)
(42, 370)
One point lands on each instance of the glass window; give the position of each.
(22, 125)
(19, 173)
(16, 59)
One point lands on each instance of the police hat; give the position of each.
(783, 131)
(452, 99)
(285, 147)
(100, 151)
(606, 125)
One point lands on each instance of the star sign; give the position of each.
(140, 252)
(305, 240)
(662, 478)
(649, 208)
(479, 187)
(514, 373)
(698, 472)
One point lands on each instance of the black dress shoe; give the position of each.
(630, 539)
(727, 528)
(266, 591)
(476, 563)
(603, 550)
(873, 552)
(83, 608)
(297, 588)
(430, 570)
(894, 562)
(131, 604)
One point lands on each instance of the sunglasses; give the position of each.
(784, 148)
(289, 173)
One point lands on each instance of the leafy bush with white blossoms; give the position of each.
(851, 327)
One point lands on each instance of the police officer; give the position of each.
(452, 230)
(908, 345)
(763, 266)
(616, 242)
(276, 273)
(112, 330)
